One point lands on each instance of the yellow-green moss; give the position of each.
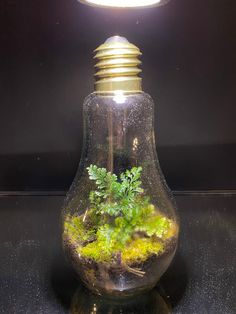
(140, 250)
(95, 251)
(137, 250)
(75, 229)
(171, 232)
(146, 239)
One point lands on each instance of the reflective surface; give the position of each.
(85, 302)
(35, 278)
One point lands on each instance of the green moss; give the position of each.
(155, 225)
(76, 230)
(105, 246)
(95, 251)
(109, 240)
(140, 249)
(137, 250)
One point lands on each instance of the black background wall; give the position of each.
(46, 69)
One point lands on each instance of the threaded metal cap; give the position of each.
(117, 66)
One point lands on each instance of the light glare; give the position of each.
(124, 3)
(119, 97)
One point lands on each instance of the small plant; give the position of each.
(121, 226)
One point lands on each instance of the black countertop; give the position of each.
(35, 278)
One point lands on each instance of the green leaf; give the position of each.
(121, 199)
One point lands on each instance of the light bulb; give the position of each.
(124, 3)
(120, 227)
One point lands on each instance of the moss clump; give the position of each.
(76, 230)
(137, 250)
(155, 225)
(140, 249)
(95, 251)
(146, 240)
(121, 226)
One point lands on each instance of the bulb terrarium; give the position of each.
(120, 227)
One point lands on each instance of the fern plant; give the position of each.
(121, 222)
(115, 197)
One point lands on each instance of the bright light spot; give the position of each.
(135, 144)
(124, 3)
(94, 311)
(119, 97)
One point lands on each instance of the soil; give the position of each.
(120, 280)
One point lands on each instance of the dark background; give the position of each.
(46, 69)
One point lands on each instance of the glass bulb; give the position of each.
(120, 224)
(125, 3)
(85, 302)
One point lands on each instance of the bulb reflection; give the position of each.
(85, 302)
(135, 144)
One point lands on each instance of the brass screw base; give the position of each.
(117, 66)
